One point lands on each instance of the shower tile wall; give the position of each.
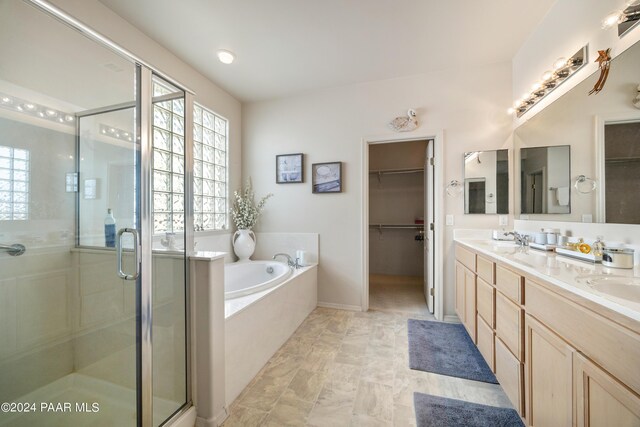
(37, 288)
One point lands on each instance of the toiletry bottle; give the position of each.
(110, 230)
(598, 246)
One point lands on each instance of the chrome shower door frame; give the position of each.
(144, 137)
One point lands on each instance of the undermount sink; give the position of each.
(627, 288)
(504, 243)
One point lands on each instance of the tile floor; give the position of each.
(343, 368)
(401, 294)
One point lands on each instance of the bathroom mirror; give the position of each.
(545, 180)
(602, 133)
(486, 182)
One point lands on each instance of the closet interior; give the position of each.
(396, 226)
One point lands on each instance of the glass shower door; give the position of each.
(68, 153)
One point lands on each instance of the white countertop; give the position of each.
(566, 273)
(206, 255)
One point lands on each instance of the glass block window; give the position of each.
(14, 183)
(168, 161)
(209, 170)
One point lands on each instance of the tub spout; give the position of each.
(290, 261)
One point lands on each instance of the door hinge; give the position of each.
(431, 291)
(431, 161)
(431, 226)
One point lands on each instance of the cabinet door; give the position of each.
(460, 291)
(470, 303)
(601, 400)
(548, 377)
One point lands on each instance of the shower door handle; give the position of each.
(136, 253)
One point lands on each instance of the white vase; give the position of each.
(244, 243)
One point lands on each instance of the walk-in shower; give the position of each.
(93, 320)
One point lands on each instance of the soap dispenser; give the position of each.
(110, 230)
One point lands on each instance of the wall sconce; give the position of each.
(550, 80)
(454, 188)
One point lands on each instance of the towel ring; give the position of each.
(584, 185)
(454, 188)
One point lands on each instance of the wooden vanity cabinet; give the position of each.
(466, 298)
(600, 399)
(559, 362)
(548, 377)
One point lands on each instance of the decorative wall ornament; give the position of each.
(405, 123)
(636, 101)
(604, 59)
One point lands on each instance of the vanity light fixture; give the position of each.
(116, 133)
(225, 56)
(562, 69)
(32, 109)
(617, 17)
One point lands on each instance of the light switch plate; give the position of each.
(587, 218)
(503, 220)
(449, 219)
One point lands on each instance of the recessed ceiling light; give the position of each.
(225, 56)
(6, 99)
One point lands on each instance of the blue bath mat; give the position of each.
(434, 411)
(446, 349)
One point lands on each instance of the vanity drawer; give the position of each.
(510, 374)
(485, 295)
(486, 342)
(485, 269)
(510, 324)
(466, 257)
(509, 283)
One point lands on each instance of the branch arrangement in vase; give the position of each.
(245, 211)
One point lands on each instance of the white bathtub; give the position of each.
(258, 323)
(245, 278)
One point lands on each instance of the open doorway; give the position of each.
(400, 211)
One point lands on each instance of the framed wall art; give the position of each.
(289, 168)
(326, 177)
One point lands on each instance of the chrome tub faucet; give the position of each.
(290, 261)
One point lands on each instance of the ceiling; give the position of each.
(285, 47)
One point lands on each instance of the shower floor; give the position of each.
(117, 404)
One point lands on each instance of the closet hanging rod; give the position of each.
(396, 171)
(397, 226)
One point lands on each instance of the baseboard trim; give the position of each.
(216, 421)
(339, 306)
(451, 318)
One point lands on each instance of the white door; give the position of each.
(428, 228)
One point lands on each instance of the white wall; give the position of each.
(111, 25)
(329, 125)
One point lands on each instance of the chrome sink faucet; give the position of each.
(290, 261)
(521, 239)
